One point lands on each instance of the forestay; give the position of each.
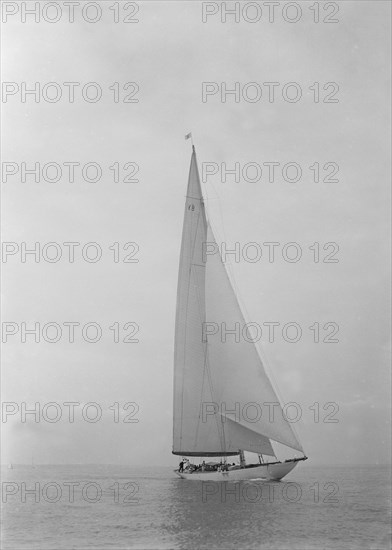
(226, 375)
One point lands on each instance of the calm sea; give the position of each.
(110, 507)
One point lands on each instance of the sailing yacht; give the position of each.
(216, 378)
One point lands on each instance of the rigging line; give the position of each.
(220, 213)
(241, 304)
(260, 352)
(243, 311)
(201, 312)
(206, 370)
(202, 393)
(219, 421)
(192, 248)
(202, 319)
(200, 214)
(219, 426)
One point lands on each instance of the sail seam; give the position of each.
(230, 376)
(186, 318)
(232, 285)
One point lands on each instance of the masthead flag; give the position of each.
(189, 136)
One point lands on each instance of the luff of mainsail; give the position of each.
(225, 375)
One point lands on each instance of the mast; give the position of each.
(212, 375)
(242, 459)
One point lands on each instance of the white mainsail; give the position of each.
(213, 377)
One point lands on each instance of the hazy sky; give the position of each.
(169, 53)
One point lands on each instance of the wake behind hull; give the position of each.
(269, 472)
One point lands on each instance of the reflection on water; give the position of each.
(85, 507)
